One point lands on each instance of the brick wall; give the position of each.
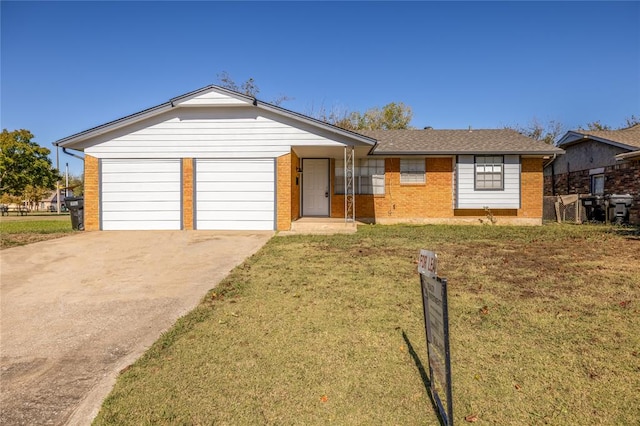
(187, 193)
(623, 178)
(432, 202)
(91, 194)
(283, 192)
(440, 186)
(568, 183)
(531, 188)
(410, 202)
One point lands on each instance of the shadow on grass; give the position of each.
(629, 232)
(423, 375)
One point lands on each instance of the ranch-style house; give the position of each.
(215, 159)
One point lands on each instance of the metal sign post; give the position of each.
(436, 319)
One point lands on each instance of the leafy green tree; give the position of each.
(392, 116)
(76, 184)
(23, 163)
(34, 194)
(7, 199)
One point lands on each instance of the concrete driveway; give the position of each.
(77, 310)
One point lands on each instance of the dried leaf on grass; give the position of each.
(471, 418)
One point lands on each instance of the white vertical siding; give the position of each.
(470, 198)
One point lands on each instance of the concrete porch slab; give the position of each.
(321, 225)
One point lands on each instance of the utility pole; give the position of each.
(58, 182)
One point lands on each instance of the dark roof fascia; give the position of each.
(442, 153)
(571, 135)
(582, 137)
(103, 128)
(140, 115)
(628, 155)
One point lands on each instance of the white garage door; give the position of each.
(141, 194)
(235, 194)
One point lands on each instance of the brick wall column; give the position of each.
(531, 188)
(91, 193)
(283, 193)
(187, 193)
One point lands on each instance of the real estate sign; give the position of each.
(436, 319)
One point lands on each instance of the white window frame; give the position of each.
(413, 171)
(489, 172)
(594, 184)
(368, 177)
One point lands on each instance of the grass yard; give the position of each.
(545, 329)
(18, 231)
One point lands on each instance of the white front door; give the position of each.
(315, 187)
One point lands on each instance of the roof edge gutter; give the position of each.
(548, 163)
(107, 127)
(450, 153)
(627, 155)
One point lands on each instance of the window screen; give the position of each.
(489, 172)
(412, 171)
(597, 184)
(368, 177)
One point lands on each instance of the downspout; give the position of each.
(553, 180)
(553, 174)
(72, 154)
(64, 150)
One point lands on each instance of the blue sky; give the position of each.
(69, 66)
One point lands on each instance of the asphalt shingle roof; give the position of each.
(434, 142)
(629, 136)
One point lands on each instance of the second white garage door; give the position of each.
(235, 194)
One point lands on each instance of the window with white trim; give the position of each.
(489, 172)
(412, 170)
(597, 184)
(368, 176)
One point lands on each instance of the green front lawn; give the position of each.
(17, 232)
(329, 329)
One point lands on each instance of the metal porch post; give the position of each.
(349, 190)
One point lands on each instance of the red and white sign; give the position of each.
(428, 263)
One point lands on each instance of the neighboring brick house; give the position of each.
(217, 159)
(599, 162)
